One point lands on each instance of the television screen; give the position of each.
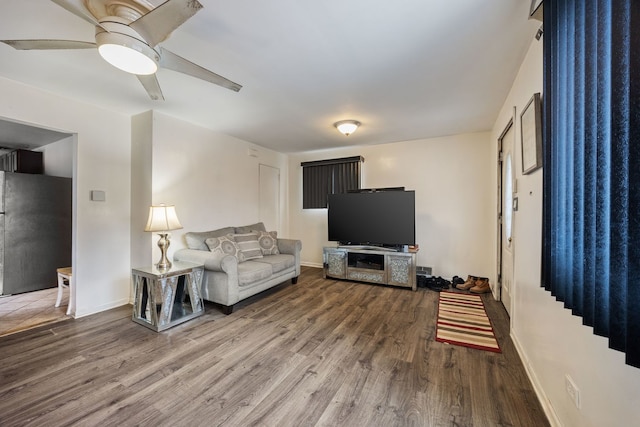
(379, 218)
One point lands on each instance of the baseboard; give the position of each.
(311, 264)
(101, 308)
(537, 387)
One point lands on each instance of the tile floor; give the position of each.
(31, 309)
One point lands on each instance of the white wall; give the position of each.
(141, 184)
(452, 179)
(101, 159)
(210, 177)
(58, 158)
(552, 342)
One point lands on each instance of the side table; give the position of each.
(165, 298)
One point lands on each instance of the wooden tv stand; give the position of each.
(379, 266)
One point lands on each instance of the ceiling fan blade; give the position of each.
(151, 85)
(78, 8)
(177, 63)
(156, 25)
(46, 44)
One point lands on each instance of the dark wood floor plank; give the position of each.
(321, 352)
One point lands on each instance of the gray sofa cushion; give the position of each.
(251, 272)
(258, 226)
(278, 262)
(196, 240)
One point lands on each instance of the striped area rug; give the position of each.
(462, 320)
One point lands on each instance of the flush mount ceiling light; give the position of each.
(124, 48)
(347, 127)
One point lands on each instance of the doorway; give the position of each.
(506, 205)
(269, 191)
(25, 310)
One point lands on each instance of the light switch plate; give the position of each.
(98, 196)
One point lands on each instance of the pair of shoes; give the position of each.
(444, 283)
(482, 286)
(437, 283)
(468, 284)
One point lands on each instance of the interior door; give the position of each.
(270, 197)
(506, 208)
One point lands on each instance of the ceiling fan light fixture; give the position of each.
(127, 59)
(347, 127)
(126, 51)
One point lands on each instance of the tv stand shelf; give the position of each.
(371, 265)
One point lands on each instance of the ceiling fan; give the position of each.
(127, 36)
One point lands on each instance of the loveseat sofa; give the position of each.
(241, 261)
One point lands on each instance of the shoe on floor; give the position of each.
(430, 283)
(437, 284)
(468, 284)
(482, 286)
(457, 280)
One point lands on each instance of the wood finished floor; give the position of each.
(319, 353)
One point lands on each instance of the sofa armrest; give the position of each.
(289, 246)
(212, 261)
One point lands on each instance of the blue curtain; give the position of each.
(591, 250)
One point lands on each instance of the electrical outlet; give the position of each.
(572, 390)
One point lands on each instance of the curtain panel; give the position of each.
(323, 177)
(591, 249)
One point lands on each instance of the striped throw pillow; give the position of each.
(248, 245)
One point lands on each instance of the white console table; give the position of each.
(371, 265)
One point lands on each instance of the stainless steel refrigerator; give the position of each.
(35, 231)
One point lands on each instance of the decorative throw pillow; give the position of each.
(225, 245)
(196, 239)
(268, 242)
(248, 245)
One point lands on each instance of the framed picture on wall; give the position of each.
(535, 10)
(531, 135)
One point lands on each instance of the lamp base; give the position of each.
(163, 244)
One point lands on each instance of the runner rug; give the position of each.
(462, 320)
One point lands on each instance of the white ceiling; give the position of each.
(406, 69)
(20, 135)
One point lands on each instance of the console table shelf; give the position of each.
(371, 265)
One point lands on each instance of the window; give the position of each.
(323, 177)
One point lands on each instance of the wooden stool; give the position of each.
(64, 281)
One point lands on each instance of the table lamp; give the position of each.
(163, 218)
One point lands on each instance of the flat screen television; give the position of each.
(383, 218)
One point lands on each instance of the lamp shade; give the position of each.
(162, 218)
(347, 127)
